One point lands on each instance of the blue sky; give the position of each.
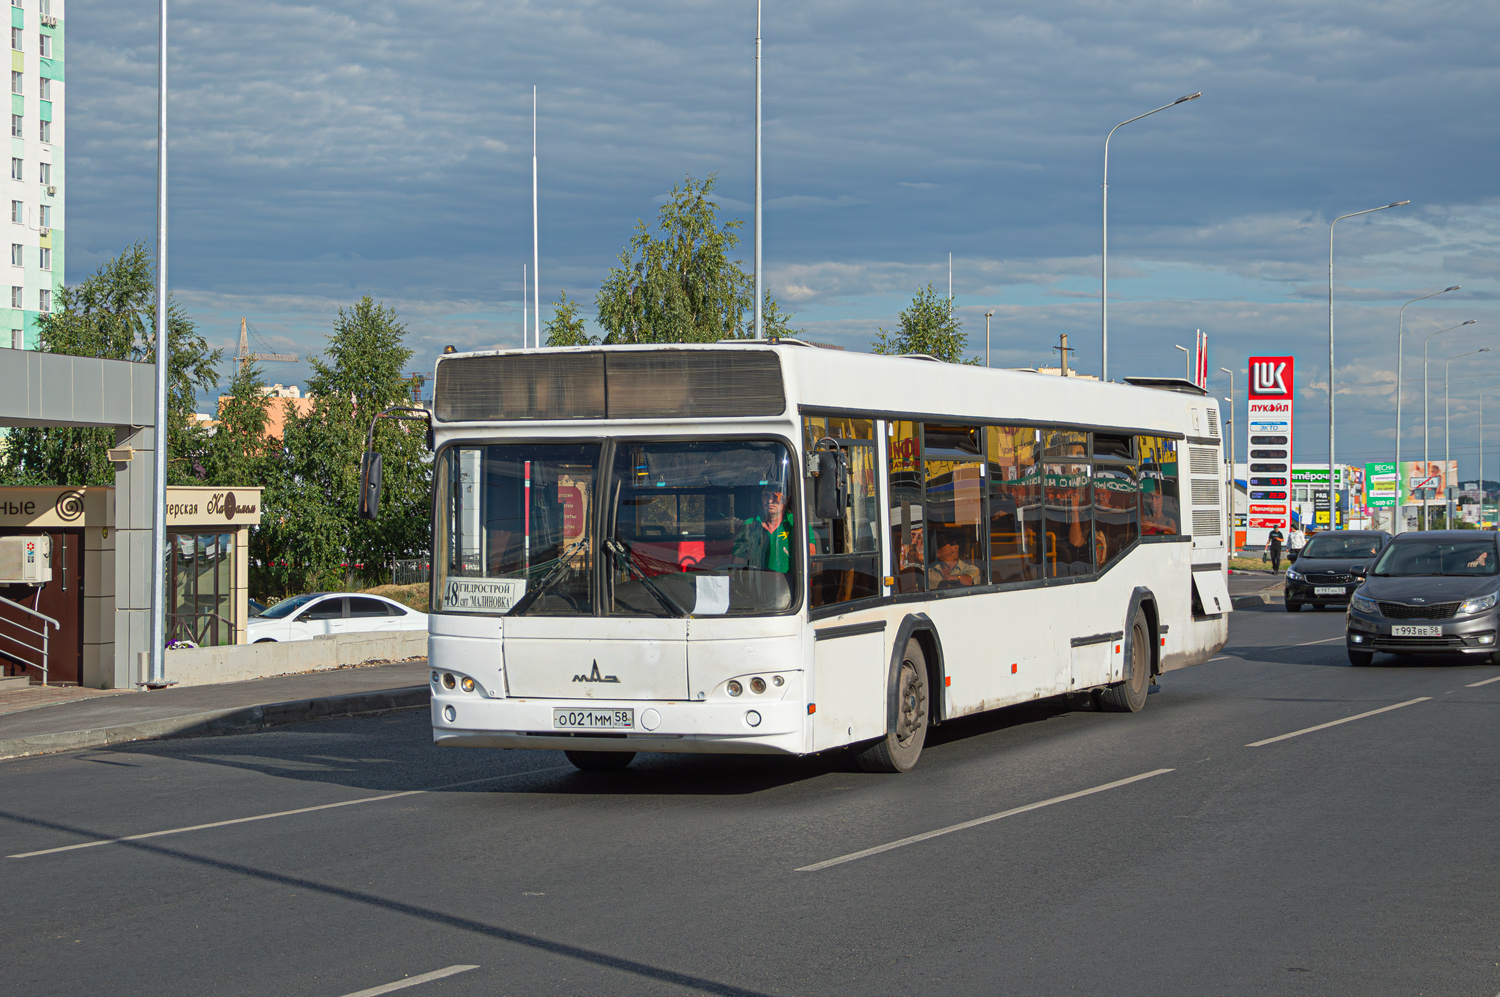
(326, 150)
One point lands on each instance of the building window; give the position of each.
(45, 90)
(46, 258)
(15, 39)
(43, 172)
(46, 215)
(17, 339)
(15, 82)
(17, 213)
(15, 297)
(44, 6)
(15, 168)
(46, 131)
(45, 46)
(16, 124)
(15, 254)
(44, 300)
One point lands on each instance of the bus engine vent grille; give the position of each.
(1205, 492)
(1206, 523)
(1213, 421)
(1203, 460)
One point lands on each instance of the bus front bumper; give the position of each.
(748, 727)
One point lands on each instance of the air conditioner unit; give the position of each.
(26, 560)
(51, 189)
(49, 20)
(44, 232)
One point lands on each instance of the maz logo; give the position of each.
(594, 676)
(1268, 378)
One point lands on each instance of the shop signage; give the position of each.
(1271, 400)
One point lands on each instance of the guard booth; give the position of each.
(63, 630)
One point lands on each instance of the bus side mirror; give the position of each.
(370, 480)
(829, 497)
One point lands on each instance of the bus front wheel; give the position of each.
(899, 749)
(600, 761)
(1129, 696)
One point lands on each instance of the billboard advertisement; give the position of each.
(1272, 383)
(1380, 485)
(1418, 476)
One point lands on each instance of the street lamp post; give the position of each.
(1104, 261)
(1332, 518)
(1426, 467)
(987, 316)
(1189, 356)
(156, 660)
(1400, 337)
(1229, 423)
(760, 293)
(1447, 442)
(1481, 451)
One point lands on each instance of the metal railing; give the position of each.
(23, 628)
(412, 571)
(201, 629)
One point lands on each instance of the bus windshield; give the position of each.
(688, 528)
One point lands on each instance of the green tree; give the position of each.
(309, 519)
(111, 315)
(775, 323)
(929, 326)
(566, 328)
(680, 286)
(238, 451)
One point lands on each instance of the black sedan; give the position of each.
(1324, 572)
(1428, 593)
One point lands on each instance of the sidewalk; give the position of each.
(212, 709)
(1255, 588)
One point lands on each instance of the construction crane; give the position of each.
(244, 355)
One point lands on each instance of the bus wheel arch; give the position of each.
(1144, 599)
(916, 647)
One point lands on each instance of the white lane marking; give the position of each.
(1335, 723)
(1307, 643)
(1476, 685)
(1219, 658)
(281, 813)
(436, 974)
(852, 856)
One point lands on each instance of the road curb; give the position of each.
(238, 720)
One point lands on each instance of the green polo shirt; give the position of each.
(768, 549)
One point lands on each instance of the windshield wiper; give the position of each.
(624, 554)
(535, 592)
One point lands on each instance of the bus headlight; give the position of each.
(735, 688)
(448, 680)
(757, 685)
(467, 685)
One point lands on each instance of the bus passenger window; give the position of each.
(953, 506)
(1161, 515)
(1116, 512)
(1070, 546)
(905, 515)
(1015, 486)
(845, 562)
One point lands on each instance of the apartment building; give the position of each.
(36, 167)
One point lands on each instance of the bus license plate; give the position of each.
(1329, 590)
(1416, 631)
(594, 719)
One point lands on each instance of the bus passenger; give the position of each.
(765, 541)
(950, 572)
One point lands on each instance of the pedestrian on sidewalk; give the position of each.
(1275, 540)
(1294, 545)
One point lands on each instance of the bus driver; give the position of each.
(765, 541)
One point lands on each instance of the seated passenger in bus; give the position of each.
(950, 572)
(765, 541)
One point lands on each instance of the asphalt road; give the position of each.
(1357, 859)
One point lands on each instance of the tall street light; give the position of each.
(1230, 421)
(1333, 519)
(987, 316)
(1104, 263)
(156, 660)
(760, 293)
(1447, 445)
(1425, 435)
(1400, 337)
(1481, 450)
(1189, 357)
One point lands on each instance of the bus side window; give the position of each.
(1116, 512)
(905, 515)
(1070, 535)
(845, 562)
(953, 506)
(1015, 487)
(1161, 515)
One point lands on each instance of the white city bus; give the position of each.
(765, 547)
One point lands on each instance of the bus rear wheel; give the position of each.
(899, 749)
(1129, 696)
(600, 761)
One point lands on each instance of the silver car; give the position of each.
(1428, 593)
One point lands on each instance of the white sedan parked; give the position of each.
(304, 617)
